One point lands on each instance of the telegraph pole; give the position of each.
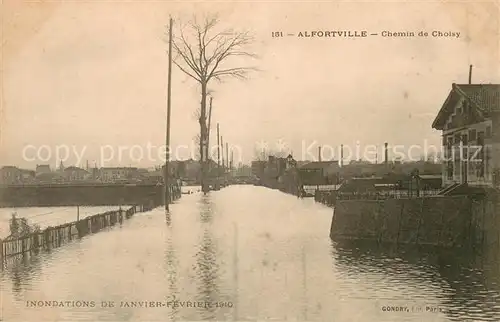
(222, 149)
(166, 181)
(227, 156)
(218, 152)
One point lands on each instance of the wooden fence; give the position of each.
(53, 237)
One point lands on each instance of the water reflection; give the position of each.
(168, 218)
(171, 269)
(205, 207)
(207, 269)
(465, 285)
(21, 270)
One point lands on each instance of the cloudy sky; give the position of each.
(88, 79)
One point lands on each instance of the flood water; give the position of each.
(244, 253)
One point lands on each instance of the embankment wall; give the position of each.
(78, 195)
(449, 221)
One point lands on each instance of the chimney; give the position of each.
(319, 153)
(470, 74)
(341, 155)
(386, 153)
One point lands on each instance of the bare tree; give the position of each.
(202, 53)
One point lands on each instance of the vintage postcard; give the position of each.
(250, 161)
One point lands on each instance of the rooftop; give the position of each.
(319, 164)
(485, 98)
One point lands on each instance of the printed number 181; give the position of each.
(276, 34)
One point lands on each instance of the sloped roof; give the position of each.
(484, 97)
(9, 167)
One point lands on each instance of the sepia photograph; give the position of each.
(256, 160)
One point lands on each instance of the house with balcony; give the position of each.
(470, 124)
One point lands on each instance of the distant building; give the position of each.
(112, 174)
(75, 174)
(470, 123)
(242, 171)
(319, 173)
(192, 170)
(258, 168)
(15, 175)
(61, 167)
(50, 177)
(275, 167)
(42, 168)
(290, 162)
(10, 175)
(27, 176)
(156, 175)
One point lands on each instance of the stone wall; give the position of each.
(443, 221)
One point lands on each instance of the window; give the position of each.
(481, 155)
(473, 135)
(450, 170)
(488, 132)
(465, 107)
(465, 139)
(480, 138)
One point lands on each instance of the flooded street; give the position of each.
(243, 253)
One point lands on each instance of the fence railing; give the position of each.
(329, 198)
(397, 194)
(52, 237)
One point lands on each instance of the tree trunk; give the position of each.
(203, 138)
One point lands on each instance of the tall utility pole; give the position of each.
(209, 123)
(218, 152)
(166, 181)
(222, 152)
(227, 156)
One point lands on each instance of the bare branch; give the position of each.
(187, 55)
(233, 71)
(197, 114)
(186, 72)
(201, 57)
